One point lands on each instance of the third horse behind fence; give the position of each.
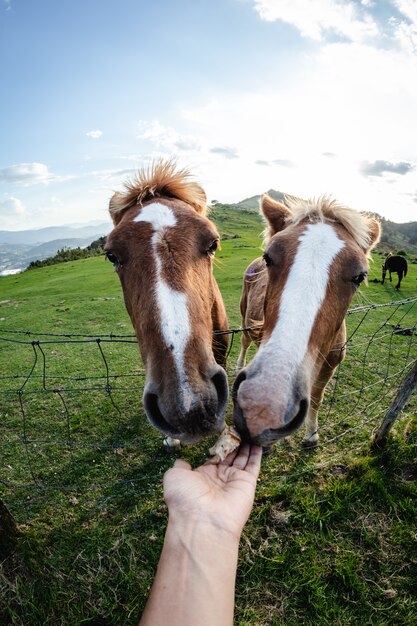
(396, 264)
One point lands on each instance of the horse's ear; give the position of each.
(116, 207)
(275, 213)
(375, 231)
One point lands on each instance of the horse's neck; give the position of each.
(218, 311)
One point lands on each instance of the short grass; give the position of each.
(331, 539)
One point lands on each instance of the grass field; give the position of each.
(332, 538)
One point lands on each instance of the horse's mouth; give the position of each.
(200, 429)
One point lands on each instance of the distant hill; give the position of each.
(42, 235)
(19, 248)
(253, 201)
(395, 237)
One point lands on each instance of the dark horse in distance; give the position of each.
(396, 264)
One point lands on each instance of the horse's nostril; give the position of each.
(219, 381)
(302, 412)
(238, 416)
(239, 380)
(153, 412)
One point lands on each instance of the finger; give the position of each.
(241, 459)
(213, 460)
(254, 461)
(230, 459)
(182, 464)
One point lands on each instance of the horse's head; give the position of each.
(162, 248)
(315, 257)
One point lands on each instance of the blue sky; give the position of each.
(304, 96)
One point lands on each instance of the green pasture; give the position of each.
(332, 537)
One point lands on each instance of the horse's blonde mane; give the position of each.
(160, 179)
(325, 208)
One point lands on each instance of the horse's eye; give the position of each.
(357, 280)
(112, 258)
(213, 247)
(267, 259)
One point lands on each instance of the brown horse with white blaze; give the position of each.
(162, 247)
(296, 299)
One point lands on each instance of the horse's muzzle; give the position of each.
(201, 417)
(292, 420)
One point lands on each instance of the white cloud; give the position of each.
(405, 30)
(380, 167)
(323, 20)
(13, 213)
(113, 174)
(166, 137)
(225, 151)
(136, 158)
(408, 8)
(12, 207)
(26, 174)
(55, 201)
(95, 134)
(272, 162)
(318, 18)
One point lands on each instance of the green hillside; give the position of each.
(395, 237)
(331, 539)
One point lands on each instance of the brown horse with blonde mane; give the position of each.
(296, 298)
(162, 247)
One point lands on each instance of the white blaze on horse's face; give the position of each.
(300, 302)
(172, 305)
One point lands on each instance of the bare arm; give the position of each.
(208, 507)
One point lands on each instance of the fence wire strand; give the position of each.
(72, 401)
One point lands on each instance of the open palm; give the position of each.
(218, 494)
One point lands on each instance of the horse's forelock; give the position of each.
(364, 230)
(160, 179)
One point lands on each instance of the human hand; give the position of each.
(220, 495)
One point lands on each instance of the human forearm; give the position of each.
(208, 508)
(195, 580)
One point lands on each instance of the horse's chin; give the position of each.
(188, 439)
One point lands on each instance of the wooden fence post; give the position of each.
(409, 384)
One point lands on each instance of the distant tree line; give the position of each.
(71, 254)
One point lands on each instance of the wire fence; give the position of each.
(73, 429)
